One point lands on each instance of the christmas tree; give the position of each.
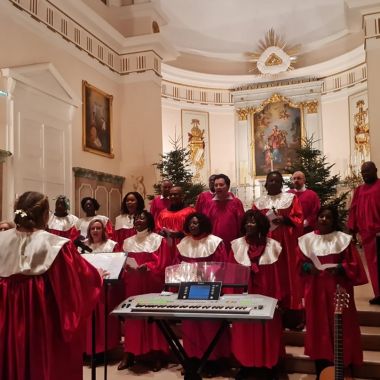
(317, 170)
(175, 166)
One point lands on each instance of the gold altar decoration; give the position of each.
(273, 55)
(361, 129)
(196, 145)
(311, 106)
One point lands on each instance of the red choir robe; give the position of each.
(173, 220)
(82, 225)
(123, 228)
(115, 296)
(141, 337)
(63, 225)
(226, 217)
(259, 344)
(203, 200)
(364, 217)
(47, 293)
(319, 291)
(158, 204)
(310, 204)
(197, 335)
(287, 205)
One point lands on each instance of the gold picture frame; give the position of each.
(277, 129)
(97, 120)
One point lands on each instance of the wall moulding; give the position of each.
(106, 188)
(73, 32)
(98, 176)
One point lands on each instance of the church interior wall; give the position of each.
(221, 134)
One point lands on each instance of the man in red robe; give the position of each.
(170, 220)
(160, 202)
(206, 197)
(309, 201)
(225, 211)
(285, 215)
(364, 218)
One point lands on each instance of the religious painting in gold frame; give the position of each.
(97, 120)
(277, 132)
(195, 137)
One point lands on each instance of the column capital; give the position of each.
(371, 24)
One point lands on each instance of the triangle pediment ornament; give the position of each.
(273, 60)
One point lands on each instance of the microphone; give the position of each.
(79, 244)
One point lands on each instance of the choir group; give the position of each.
(295, 250)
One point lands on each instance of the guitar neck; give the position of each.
(338, 347)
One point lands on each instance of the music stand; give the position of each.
(112, 262)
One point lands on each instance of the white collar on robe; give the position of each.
(28, 253)
(82, 224)
(124, 221)
(62, 223)
(193, 248)
(270, 255)
(313, 244)
(143, 241)
(107, 246)
(279, 201)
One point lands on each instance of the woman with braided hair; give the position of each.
(41, 316)
(61, 222)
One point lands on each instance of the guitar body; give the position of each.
(329, 374)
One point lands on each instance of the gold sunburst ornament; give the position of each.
(273, 55)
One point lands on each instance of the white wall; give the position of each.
(336, 128)
(221, 129)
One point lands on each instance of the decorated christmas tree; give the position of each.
(175, 166)
(317, 170)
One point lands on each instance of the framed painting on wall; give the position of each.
(359, 129)
(97, 120)
(277, 134)
(195, 136)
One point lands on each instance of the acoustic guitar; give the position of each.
(342, 299)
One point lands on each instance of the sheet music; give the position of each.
(112, 262)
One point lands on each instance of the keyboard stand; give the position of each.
(192, 371)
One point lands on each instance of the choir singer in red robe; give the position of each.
(225, 211)
(132, 204)
(47, 293)
(285, 215)
(364, 217)
(327, 258)
(148, 256)
(258, 346)
(309, 201)
(161, 202)
(62, 223)
(201, 246)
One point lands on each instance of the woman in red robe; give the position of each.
(285, 215)
(255, 344)
(62, 223)
(47, 293)
(131, 205)
(98, 242)
(201, 246)
(147, 258)
(90, 206)
(328, 258)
